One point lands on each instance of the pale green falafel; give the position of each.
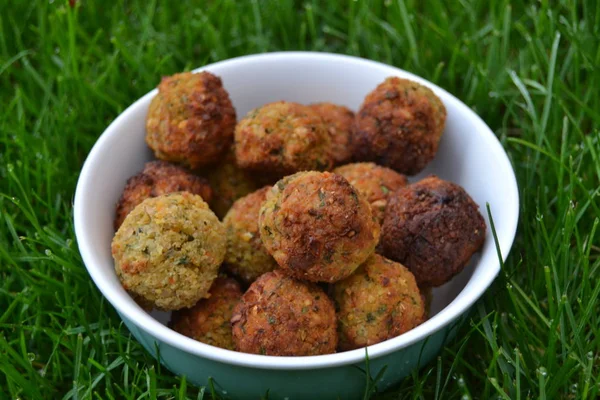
(168, 250)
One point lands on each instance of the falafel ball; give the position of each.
(399, 125)
(246, 256)
(317, 226)
(340, 125)
(281, 316)
(379, 301)
(191, 120)
(433, 227)
(209, 320)
(374, 182)
(158, 178)
(282, 138)
(169, 249)
(228, 183)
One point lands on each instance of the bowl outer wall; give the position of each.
(342, 382)
(469, 154)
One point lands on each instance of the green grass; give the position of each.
(528, 68)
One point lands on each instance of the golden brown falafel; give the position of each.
(246, 256)
(228, 183)
(317, 226)
(340, 125)
(433, 227)
(374, 182)
(399, 125)
(281, 316)
(169, 249)
(209, 320)
(379, 301)
(282, 138)
(158, 178)
(191, 120)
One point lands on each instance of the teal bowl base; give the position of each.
(339, 382)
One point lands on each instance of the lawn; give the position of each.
(67, 69)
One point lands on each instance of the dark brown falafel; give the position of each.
(246, 256)
(282, 138)
(317, 226)
(281, 316)
(191, 120)
(209, 320)
(433, 227)
(374, 182)
(340, 125)
(158, 178)
(379, 301)
(399, 125)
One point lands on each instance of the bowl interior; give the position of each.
(469, 154)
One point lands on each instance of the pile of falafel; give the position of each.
(294, 231)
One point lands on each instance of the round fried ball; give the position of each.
(317, 226)
(158, 178)
(191, 120)
(374, 182)
(399, 125)
(246, 256)
(379, 301)
(433, 227)
(340, 124)
(228, 183)
(169, 249)
(282, 138)
(281, 316)
(209, 320)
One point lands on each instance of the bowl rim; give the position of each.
(151, 326)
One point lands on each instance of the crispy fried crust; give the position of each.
(191, 120)
(399, 125)
(281, 316)
(433, 227)
(340, 125)
(379, 301)
(374, 182)
(246, 255)
(282, 138)
(317, 226)
(158, 178)
(209, 320)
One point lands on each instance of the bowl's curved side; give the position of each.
(469, 154)
(341, 382)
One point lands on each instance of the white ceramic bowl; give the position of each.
(469, 154)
